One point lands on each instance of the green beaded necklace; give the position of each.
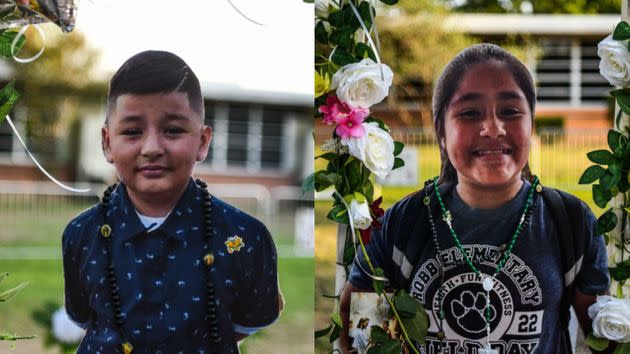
(488, 281)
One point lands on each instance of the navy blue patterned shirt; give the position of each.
(162, 277)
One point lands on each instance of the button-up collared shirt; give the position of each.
(162, 276)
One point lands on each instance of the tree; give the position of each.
(54, 89)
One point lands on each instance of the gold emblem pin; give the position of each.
(106, 230)
(208, 259)
(127, 348)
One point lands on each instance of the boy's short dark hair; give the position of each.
(155, 71)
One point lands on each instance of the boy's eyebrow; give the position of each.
(130, 119)
(175, 116)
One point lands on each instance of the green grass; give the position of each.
(292, 333)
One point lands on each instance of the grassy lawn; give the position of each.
(292, 333)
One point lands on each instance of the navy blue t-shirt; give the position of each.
(162, 277)
(525, 301)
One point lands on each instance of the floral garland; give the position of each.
(611, 314)
(349, 80)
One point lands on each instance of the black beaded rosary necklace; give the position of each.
(488, 282)
(208, 258)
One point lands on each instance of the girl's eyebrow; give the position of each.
(503, 95)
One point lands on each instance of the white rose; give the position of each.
(615, 61)
(375, 149)
(361, 85)
(360, 214)
(64, 329)
(611, 318)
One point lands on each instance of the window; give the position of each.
(553, 71)
(568, 73)
(249, 136)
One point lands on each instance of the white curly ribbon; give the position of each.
(354, 239)
(17, 38)
(368, 35)
(242, 14)
(68, 188)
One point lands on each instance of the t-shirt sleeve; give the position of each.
(257, 304)
(76, 300)
(379, 250)
(593, 277)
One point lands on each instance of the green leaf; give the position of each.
(398, 147)
(338, 214)
(8, 97)
(7, 295)
(620, 92)
(343, 37)
(601, 157)
(596, 343)
(607, 180)
(622, 348)
(364, 11)
(354, 174)
(601, 195)
(368, 189)
(398, 162)
(620, 273)
(592, 174)
(320, 33)
(341, 57)
(329, 156)
(335, 334)
(6, 39)
(405, 304)
(377, 334)
(349, 251)
(336, 319)
(606, 222)
(615, 168)
(390, 2)
(622, 31)
(613, 139)
(363, 51)
(323, 332)
(308, 185)
(325, 179)
(378, 285)
(623, 100)
(417, 326)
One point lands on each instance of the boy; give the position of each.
(160, 266)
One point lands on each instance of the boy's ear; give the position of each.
(206, 138)
(105, 144)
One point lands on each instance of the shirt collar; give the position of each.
(128, 225)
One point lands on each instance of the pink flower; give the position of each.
(348, 118)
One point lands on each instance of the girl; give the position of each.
(481, 247)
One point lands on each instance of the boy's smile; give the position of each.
(154, 141)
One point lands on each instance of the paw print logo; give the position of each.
(469, 310)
